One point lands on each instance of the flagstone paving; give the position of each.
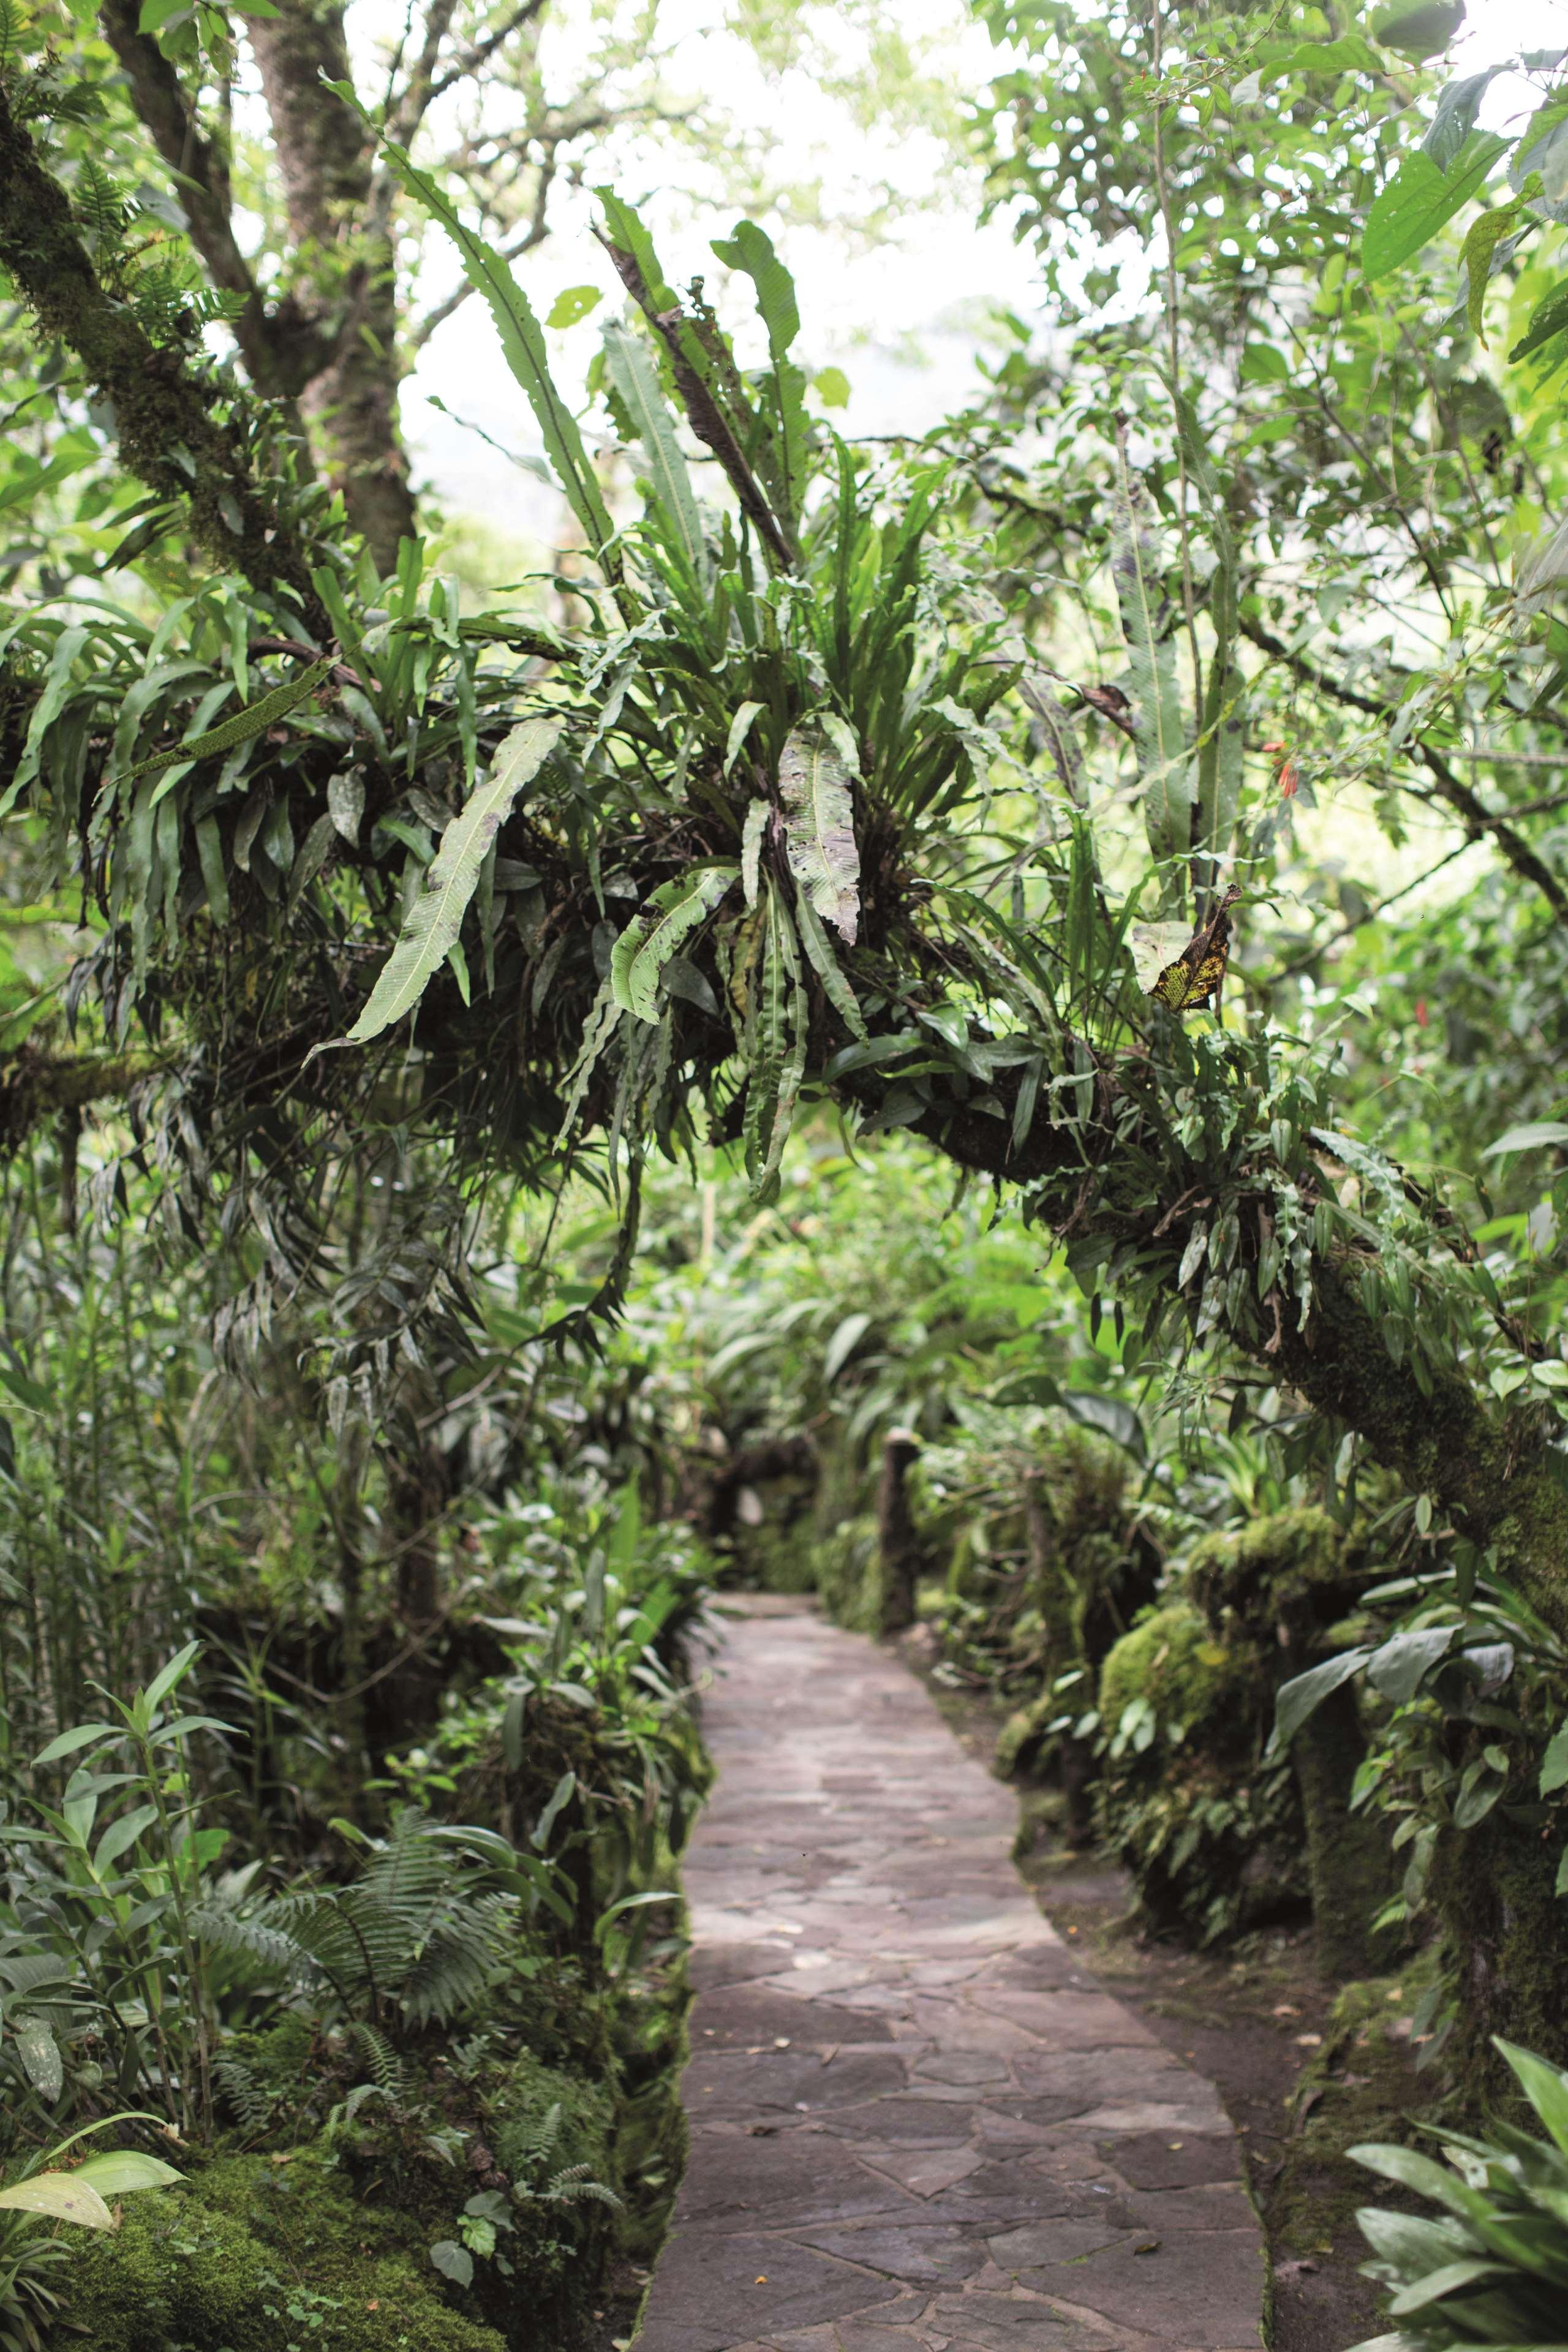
(918, 2125)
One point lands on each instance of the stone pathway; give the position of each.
(916, 2122)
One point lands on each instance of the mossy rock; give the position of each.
(1273, 1568)
(1191, 1680)
(329, 2246)
(1212, 1836)
(256, 2256)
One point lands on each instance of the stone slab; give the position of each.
(918, 2124)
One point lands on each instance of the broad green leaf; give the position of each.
(120, 2172)
(523, 340)
(1148, 624)
(169, 1675)
(1423, 2174)
(46, 711)
(1546, 2087)
(120, 1836)
(84, 1734)
(1549, 317)
(1554, 1763)
(1301, 1697)
(1442, 2281)
(1420, 32)
(453, 2261)
(819, 825)
(792, 1033)
(1154, 946)
(1482, 241)
(1421, 199)
(741, 727)
(842, 1346)
(635, 377)
(1457, 107)
(657, 930)
(253, 721)
(59, 2196)
(1534, 1136)
(1349, 54)
(1400, 1667)
(431, 926)
(345, 804)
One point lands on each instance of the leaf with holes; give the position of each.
(819, 826)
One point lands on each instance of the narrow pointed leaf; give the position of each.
(431, 926)
(819, 954)
(751, 848)
(120, 2172)
(523, 340)
(253, 721)
(1148, 624)
(635, 378)
(1421, 199)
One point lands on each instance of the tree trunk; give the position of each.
(1348, 1861)
(1496, 1888)
(327, 160)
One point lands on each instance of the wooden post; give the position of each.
(898, 1546)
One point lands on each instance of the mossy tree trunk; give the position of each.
(1348, 1861)
(898, 1544)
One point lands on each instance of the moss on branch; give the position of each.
(164, 421)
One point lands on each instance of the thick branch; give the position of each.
(1498, 1484)
(281, 349)
(167, 433)
(1477, 820)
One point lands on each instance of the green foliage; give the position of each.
(1494, 2268)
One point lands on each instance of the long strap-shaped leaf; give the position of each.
(1148, 622)
(253, 719)
(635, 377)
(521, 339)
(431, 926)
(819, 825)
(706, 380)
(656, 930)
(1223, 735)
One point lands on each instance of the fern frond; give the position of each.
(249, 2097)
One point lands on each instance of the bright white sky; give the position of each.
(902, 319)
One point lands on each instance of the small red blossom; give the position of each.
(1421, 1013)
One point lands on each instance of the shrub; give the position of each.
(1494, 2270)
